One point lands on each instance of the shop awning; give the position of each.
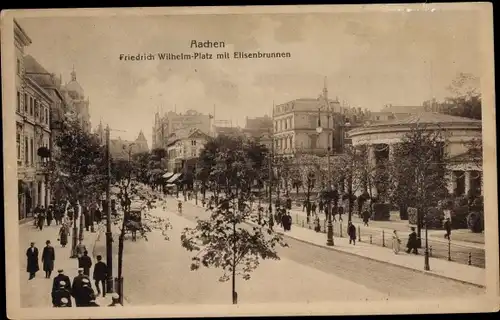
(168, 175)
(174, 178)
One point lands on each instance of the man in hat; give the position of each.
(77, 288)
(86, 294)
(61, 297)
(61, 277)
(65, 302)
(32, 257)
(100, 275)
(48, 257)
(412, 244)
(115, 300)
(85, 262)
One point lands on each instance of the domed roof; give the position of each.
(74, 86)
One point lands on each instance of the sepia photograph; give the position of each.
(249, 160)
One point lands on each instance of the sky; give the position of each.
(369, 59)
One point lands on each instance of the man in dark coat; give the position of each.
(412, 244)
(351, 231)
(61, 277)
(77, 288)
(85, 262)
(41, 217)
(447, 228)
(48, 257)
(32, 264)
(50, 215)
(100, 275)
(61, 297)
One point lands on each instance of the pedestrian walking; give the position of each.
(317, 225)
(50, 215)
(63, 236)
(61, 296)
(412, 244)
(61, 277)
(100, 276)
(85, 262)
(115, 300)
(48, 257)
(77, 288)
(80, 249)
(340, 211)
(366, 217)
(351, 231)
(313, 207)
(289, 221)
(284, 222)
(447, 228)
(41, 218)
(396, 242)
(32, 264)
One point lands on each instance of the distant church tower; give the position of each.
(141, 143)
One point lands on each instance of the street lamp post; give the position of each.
(319, 130)
(109, 235)
(426, 259)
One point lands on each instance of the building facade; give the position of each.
(171, 122)
(463, 171)
(184, 147)
(25, 132)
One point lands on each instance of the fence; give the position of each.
(437, 249)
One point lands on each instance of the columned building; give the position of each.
(463, 169)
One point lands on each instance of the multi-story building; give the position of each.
(172, 122)
(295, 123)
(184, 148)
(258, 128)
(52, 85)
(120, 149)
(25, 131)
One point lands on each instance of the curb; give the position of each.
(382, 261)
(372, 259)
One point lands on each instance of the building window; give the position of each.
(275, 125)
(18, 67)
(47, 116)
(18, 108)
(26, 103)
(193, 142)
(18, 142)
(37, 112)
(26, 151)
(31, 106)
(286, 124)
(32, 151)
(42, 114)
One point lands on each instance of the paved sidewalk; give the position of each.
(434, 235)
(36, 293)
(438, 267)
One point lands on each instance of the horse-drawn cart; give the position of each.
(133, 219)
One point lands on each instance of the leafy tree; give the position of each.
(225, 241)
(231, 166)
(78, 174)
(131, 193)
(465, 99)
(420, 168)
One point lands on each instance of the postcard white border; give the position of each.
(489, 302)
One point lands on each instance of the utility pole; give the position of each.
(109, 235)
(271, 159)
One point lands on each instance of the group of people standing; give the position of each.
(42, 215)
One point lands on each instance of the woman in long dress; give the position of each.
(396, 242)
(63, 236)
